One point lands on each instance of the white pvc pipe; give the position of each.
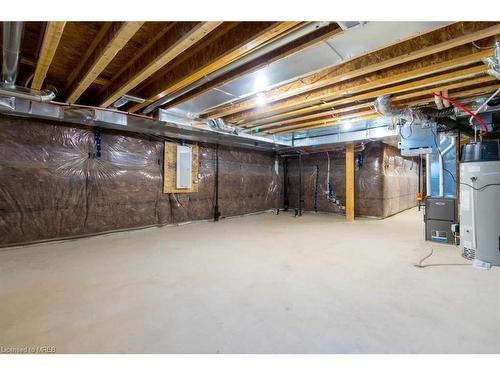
(438, 101)
(441, 155)
(446, 103)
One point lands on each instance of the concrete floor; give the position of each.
(255, 284)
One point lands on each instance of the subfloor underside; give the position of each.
(253, 284)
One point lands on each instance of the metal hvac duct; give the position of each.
(307, 29)
(122, 121)
(494, 62)
(12, 35)
(25, 93)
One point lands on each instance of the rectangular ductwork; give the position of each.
(109, 119)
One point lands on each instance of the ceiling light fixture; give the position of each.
(261, 99)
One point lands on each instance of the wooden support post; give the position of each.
(349, 182)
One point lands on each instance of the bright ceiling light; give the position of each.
(347, 125)
(261, 99)
(261, 82)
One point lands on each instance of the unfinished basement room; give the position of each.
(250, 187)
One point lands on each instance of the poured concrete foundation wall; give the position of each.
(385, 182)
(54, 185)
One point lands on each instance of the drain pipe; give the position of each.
(12, 36)
(307, 29)
(441, 156)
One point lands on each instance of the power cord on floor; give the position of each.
(419, 264)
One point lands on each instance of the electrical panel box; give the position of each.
(184, 169)
(417, 139)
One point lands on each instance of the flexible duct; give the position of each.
(383, 106)
(307, 29)
(220, 125)
(12, 35)
(494, 62)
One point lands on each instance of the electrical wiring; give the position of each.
(465, 109)
(419, 264)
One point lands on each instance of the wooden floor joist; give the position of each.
(414, 85)
(470, 93)
(134, 76)
(302, 111)
(298, 45)
(110, 45)
(168, 85)
(297, 123)
(51, 38)
(297, 91)
(88, 53)
(435, 68)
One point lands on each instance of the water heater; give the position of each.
(480, 201)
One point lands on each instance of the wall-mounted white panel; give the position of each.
(183, 167)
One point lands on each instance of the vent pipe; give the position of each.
(12, 35)
(494, 61)
(383, 106)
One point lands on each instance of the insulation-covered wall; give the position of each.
(385, 182)
(52, 185)
(400, 181)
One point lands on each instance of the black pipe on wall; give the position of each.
(216, 185)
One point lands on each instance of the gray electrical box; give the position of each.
(440, 214)
(480, 207)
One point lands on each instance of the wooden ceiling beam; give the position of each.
(362, 115)
(230, 47)
(140, 53)
(188, 36)
(442, 79)
(299, 91)
(116, 38)
(302, 111)
(298, 45)
(83, 61)
(51, 38)
(392, 79)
